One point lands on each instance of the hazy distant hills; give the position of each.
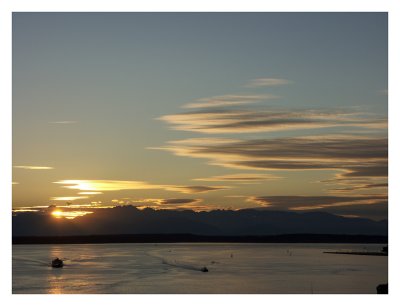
(129, 220)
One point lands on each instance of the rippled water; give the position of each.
(175, 268)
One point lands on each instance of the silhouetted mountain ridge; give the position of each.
(130, 220)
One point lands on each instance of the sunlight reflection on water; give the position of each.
(175, 268)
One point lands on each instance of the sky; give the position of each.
(202, 111)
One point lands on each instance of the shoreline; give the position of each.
(360, 253)
(191, 238)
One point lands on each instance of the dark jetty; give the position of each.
(383, 252)
(360, 253)
(382, 289)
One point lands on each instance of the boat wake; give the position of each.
(183, 265)
(21, 260)
(173, 262)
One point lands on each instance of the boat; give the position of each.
(204, 269)
(57, 263)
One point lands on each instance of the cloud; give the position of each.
(196, 189)
(104, 185)
(344, 184)
(62, 122)
(229, 121)
(90, 192)
(358, 156)
(216, 115)
(356, 187)
(354, 157)
(178, 201)
(170, 203)
(266, 82)
(17, 210)
(370, 170)
(116, 185)
(67, 198)
(377, 211)
(303, 203)
(34, 167)
(156, 201)
(240, 177)
(228, 100)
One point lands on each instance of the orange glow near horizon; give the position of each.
(69, 214)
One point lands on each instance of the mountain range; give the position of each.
(130, 220)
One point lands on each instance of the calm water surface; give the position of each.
(175, 268)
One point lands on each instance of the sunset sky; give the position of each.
(286, 111)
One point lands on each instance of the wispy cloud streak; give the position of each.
(353, 157)
(228, 121)
(170, 203)
(361, 156)
(34, 167)
(240, 178)
(116, 185)
(345, 184)
(67, 198)
(303, 203)
(62, 122)
(266, 82)
(228, 100)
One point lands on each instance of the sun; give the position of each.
(57, 213)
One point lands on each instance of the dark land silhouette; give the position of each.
(128, 220)
(175, 238)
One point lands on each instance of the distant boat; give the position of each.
(57, 263)
(204, 269)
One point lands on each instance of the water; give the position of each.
(175, 268)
